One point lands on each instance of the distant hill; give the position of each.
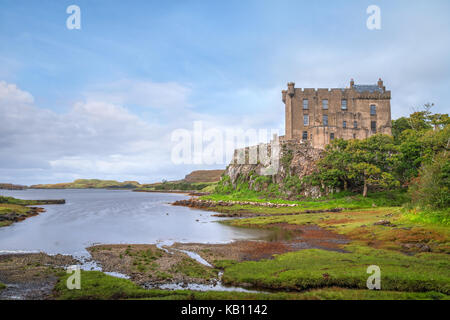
(10, 186)
(89, 184)
(204, 176)
(199, 180)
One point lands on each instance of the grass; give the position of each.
(6, 208)
(99, 286)
(339, 200)
(314, 268)
(14, 201)
(359, 226)
(2, 286)
(193, 269)
(429, 216)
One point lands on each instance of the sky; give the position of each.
(104, 101)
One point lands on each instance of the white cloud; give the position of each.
(103, 139)
(142, 93)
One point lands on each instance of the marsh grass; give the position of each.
(96, 285)
(315, 268)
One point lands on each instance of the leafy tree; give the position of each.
(432, 187)
(360, 163)
(371, 162)
(398, 126)
(334, 165)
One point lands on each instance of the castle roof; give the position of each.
(367, 87)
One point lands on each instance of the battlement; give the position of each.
(320, 115)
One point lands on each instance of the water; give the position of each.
(111, 217)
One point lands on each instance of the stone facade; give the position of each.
(321, 115)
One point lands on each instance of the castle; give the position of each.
(321, 115)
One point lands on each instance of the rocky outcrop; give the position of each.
(296, 160)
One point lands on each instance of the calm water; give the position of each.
(111, 216)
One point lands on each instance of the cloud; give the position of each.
(93, 138)
(142, 93)
(104, 139)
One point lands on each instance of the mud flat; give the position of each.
(31, 276)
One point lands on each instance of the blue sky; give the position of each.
(102, 101)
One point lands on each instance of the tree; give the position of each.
(432, 187)
(398, 126)
(371, 162)
(333, 166)
(359, 163)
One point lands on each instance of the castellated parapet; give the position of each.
(321, 115)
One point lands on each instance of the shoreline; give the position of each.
(15, 210)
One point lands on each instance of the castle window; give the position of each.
(305, 104)
(332, 136)
(305, 135)
(325, 104)
(344, 124)
(305, 120)
(354, 136)
(344, 104)
(325, 120)
(373, 126)
(355, 124)
(373, 109)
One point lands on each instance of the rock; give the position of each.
(384, 223)
(296, 158)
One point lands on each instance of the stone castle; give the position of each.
(321, 115)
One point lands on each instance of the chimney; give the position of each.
(380, 83)
(352, 82)
(291, 90)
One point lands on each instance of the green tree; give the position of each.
(371, 162)
(432, 187)
(333, 166)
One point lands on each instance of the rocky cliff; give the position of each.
(296, 160)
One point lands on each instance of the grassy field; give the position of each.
(339, 200)
(97, 285)
(314, 268)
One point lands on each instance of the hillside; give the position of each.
(89, 184)
(203, 176)
(10, 186)
(199, 180)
